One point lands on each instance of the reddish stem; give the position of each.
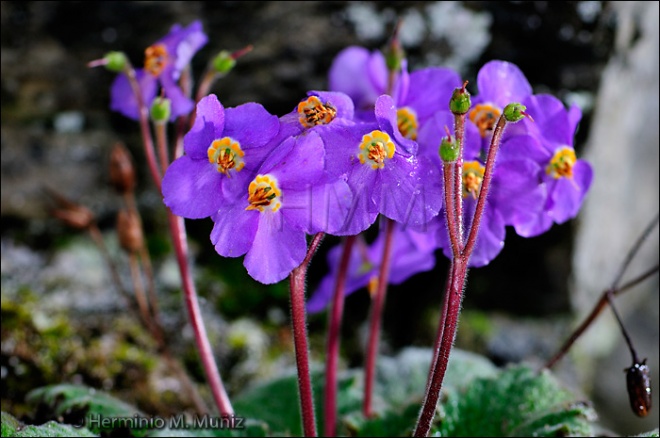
(458, 274)
(177, 229)
(452, 220)
(144, 126)
(441, 359)
(459, 128)
(485, 186)
(598, 308)
(334, 331)
(299, 327)
(376, 317)
(178, 233)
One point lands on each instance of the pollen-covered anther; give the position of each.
(313, 112)
(484, 116)
(155, 59)
(561, 164)
(406, 121)
(473, 175)
(264, 194)
(227, 155)
(375, 148)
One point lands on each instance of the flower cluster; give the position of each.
(375, 146)
(537, 182)
(367, 147)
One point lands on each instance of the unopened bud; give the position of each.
(223, 62)
(115, 61)
(129, 230)
(394, 56)
(161, 109)
(448, 150)
(514, 112)
(394, 53)
(122, 172)
(460, 101)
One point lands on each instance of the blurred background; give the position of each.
(62, 320)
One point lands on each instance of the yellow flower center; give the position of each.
(473, 175)
(561, 164)
(155, 59)
(263, 194)
(227, 155)
(406, 121)
(484, 115)
(313, 112)
(374, 148)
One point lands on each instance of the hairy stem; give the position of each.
(299, 327)
(334, 336)
(375, 320)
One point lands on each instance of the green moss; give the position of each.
(42, 349)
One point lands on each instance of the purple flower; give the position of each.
(223, 152)
(499, 83)
(291, 195)
(412, 253)
(164, 62)
(567, 179)
(381, 169)
(363, 76)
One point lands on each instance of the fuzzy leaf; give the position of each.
(12, 427)
(79, 404)
(516, 402)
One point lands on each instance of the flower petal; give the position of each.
(209, 126)
(276, 250)
(501, 83)
(122, 98)
(251, 125)
(234, 229)
(430, 90)
(569, 192)
(192, 188)
(301, 166)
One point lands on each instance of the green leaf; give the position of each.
(12, 427)
(516, 402)
(389, 423)
(9, 424)
(77, 404)
(400, 383)
(401, 380)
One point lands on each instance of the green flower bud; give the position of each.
(460, 102)
(514, 112)
(161, 110)
(115, 61)
(394, 56)
(223, 62)
(448, 150)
